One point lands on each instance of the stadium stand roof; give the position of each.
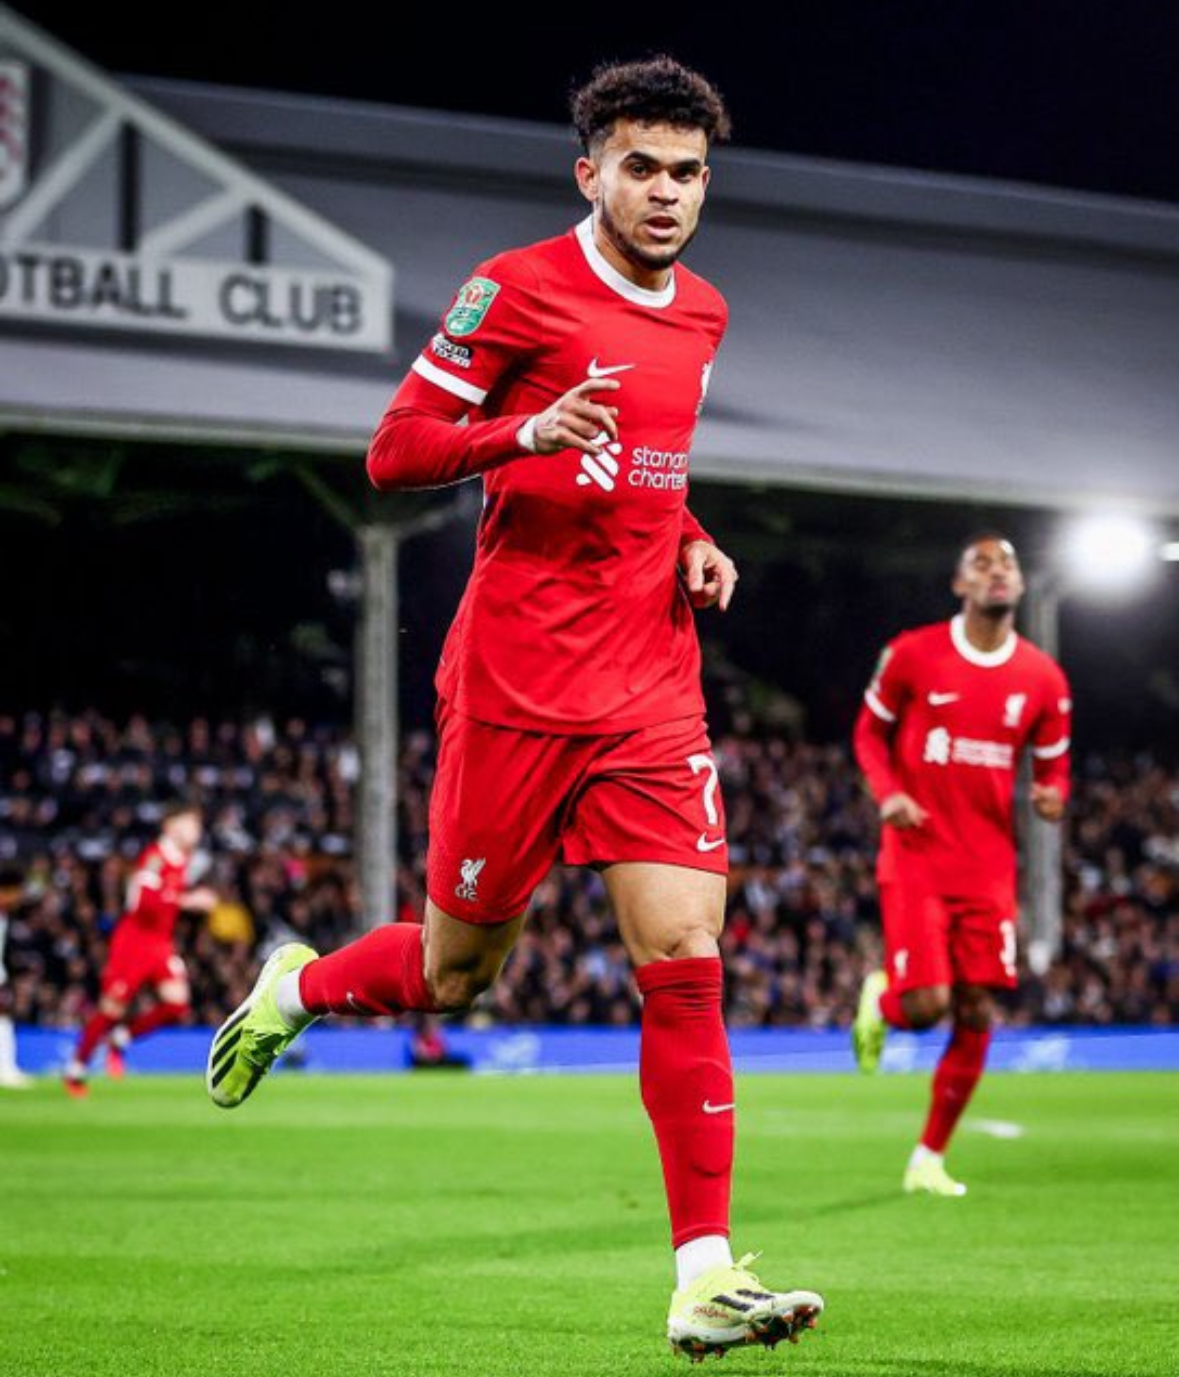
(890, 331)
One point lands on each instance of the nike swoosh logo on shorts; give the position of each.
(937, 700)
(710, 1108)
(594, 371)
(703, 844)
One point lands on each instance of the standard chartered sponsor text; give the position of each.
(658, 468)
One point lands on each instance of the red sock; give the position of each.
(957, 1074)
(95, 1031)
(686, 1078)
(158, 1016)
(893, 1010)
(382, 972)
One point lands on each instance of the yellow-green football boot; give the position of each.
(728, 1306)
(928, 1174)
(255, 1035)
(869, 1030)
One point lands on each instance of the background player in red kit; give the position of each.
(945, 719)
(142, 951)
(570, 708)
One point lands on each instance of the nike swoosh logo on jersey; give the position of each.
(703, 844)
(594, 371)
(710, 1108)
(938, 700)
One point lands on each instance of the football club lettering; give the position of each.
(118, 289)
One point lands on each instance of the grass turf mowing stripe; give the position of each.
(329, 1225)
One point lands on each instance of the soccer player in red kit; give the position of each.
(142, 951)
(570, 711)
(948, 713)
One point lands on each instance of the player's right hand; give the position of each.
(200, 900)
(576, 421)
(901, 811)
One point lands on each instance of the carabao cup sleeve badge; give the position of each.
(470, 306)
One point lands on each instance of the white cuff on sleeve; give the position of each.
(526, 435)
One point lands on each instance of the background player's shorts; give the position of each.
(507, 804)
(938, 939)
(137, 959)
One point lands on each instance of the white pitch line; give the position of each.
(998, 1128)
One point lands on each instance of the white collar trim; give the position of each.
(988, 659)
(602, 268)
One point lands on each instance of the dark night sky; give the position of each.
(1076, 93)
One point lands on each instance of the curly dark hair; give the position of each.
(656, 90)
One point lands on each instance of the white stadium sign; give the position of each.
(114, 216)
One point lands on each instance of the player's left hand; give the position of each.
(1048, 802)
(711, 576)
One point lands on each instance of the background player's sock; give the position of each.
(95, 1031)
(8, 1066)
(686, 1078)
(891, 1009)
(381, 973)
(954, 1080)
(158, 1016)
(700, 1255)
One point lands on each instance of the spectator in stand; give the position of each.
(803, 924)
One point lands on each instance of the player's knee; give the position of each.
(111, 1008)
(454, 989)
(925, 1007)
(679, 943)
(973, 1007)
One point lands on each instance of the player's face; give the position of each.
(646, 183)
(989, 578)
(185, 830)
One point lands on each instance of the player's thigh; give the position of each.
(170, 978)
(984, 949)
(496, 807)
(665, 912)
(132, 963)
(649, 814)
(916, 927)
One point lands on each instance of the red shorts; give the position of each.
(937, 939)
(507, 805)
(136, 959)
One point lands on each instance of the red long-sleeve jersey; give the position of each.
(947, 723)
(575, 619)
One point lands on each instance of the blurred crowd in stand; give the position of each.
(80, 795)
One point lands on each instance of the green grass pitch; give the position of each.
(489, 1227)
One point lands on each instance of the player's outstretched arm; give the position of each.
(200, 900)
(711, 576)
(420, 443)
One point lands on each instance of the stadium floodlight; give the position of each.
(1169, 551)
(1109, 553)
